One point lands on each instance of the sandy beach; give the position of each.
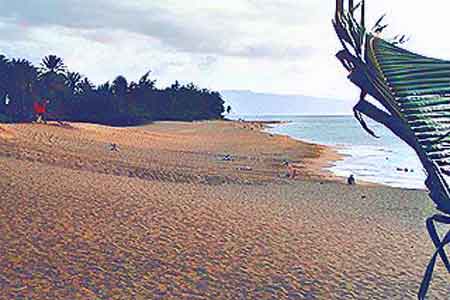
(165, 216)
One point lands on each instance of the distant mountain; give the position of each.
(250, 103)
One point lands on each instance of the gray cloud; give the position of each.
(264, 50)
(150, 21)
(264, 45)
(205, 31)
(207, 62)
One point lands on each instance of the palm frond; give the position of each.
(378, 22)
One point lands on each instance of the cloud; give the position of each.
(282, 46)
(194, 28)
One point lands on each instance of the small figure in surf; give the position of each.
(351, 180)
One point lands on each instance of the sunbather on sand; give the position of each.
(291, 170)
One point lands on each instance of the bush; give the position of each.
(4, 119)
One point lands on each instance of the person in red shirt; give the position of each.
(40, 109)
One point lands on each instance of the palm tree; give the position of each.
(4, 75)
(176, 86)
(145, 82)
(72, 90)
(120, 86)
(363, 13)
(80, 106)
(51, 74)
(22, 87)
(142, 89)
(100, 105)
(72, 81)
(53, 83)
(120, 89)
(105, 88)
(86, 86)
(52, 64)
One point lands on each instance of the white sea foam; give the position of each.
(381, 165)
(386, 160)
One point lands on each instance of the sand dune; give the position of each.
(166, 218)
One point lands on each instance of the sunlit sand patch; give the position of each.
(5, 133)
(167, 220)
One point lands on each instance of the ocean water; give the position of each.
(382, 160)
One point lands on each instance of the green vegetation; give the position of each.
(74, 98)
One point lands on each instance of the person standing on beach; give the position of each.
(40, 109)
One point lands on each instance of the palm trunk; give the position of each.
(22, 106)
(363, 13)
(339, 8)
(3, 102)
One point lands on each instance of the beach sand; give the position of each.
(165, 217)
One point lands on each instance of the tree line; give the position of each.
(73, 97)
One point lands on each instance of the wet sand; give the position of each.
(165, 217)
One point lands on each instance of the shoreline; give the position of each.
(349, 161)
(309, 168)
(317, 167)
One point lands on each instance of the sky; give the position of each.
(270, 46)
